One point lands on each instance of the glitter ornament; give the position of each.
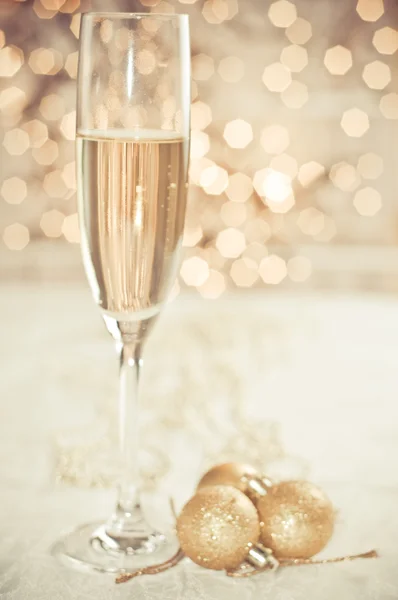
(219, 529)
(238, 475)
(297, 519)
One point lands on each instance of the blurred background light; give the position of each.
(370, 165)
(273, 269)
(293, 116)
(355, 122)
(238, 133)
(377, 75)
(282, 13)
(14, 190)
(294, 57)
(389, 105)
(385, 40)
(276, 77)
(338, 60)
(16, 236)
(367, 201)
(370, 10)
(299, 32)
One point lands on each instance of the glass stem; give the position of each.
(128, 514)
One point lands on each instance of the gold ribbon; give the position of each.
(283, 562)
(293, 562)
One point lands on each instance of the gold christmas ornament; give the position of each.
(241, 476)
(297, 519)
(219, 528)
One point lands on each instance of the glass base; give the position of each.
(93, 547)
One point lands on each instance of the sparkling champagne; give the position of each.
(132, 199)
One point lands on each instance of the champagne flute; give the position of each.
(132, 153)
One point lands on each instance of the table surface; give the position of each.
(323, 369)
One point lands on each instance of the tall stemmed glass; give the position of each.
(132, 160)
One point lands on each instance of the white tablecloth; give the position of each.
(324, 368)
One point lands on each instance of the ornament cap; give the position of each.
(256, 486)
(261, 557)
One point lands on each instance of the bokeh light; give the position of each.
(75, 25)
(68, 125)
(299, 32)
(272, 169)
(244, 272)
(45, 61)
(230, 242)
(51, 223)
(344, 176)
(201, 115)
(70, 229)
(370, 165)
(355, 122)
(275, 187)
(69, 175)
(69, 6)
(273, 269)
(310, 172)
(200, 144)
(367, 201)
(311, 221)
(218, 11)
(16, 141)
(41, 11)
(338, 60)
(214, 180)
(194, 271)
(192, 235)
(71, 64)
(16, 236)
(14, 190)
(282, 13)
(214, 285)
(376, 75)
(11, 60)
(233, 213)
(385, 40)
(276, 77)
(294, 57)
(202, 67)
(239, 188)
(238, 133)
(12, 101)
(37, 132)
(52, 107)
(295, 95)
(389, 106)
(47, 154)
(54, 184)
(370, 10)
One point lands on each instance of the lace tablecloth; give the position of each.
(324, 368)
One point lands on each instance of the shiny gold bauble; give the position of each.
(217, 527)
(228, 474)
(297, 519)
